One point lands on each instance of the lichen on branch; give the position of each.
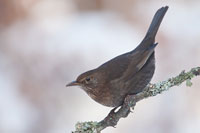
(130, 101)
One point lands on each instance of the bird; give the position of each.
(126, 74)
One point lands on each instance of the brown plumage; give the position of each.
(127, 74)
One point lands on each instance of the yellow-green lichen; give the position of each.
(86, 127)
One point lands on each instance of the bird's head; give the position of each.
(89, 79)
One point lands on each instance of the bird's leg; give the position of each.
(110, 118)
(113, 117)
(129, 101)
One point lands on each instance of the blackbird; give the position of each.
(126, 74)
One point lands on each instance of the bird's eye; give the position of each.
(87, 79)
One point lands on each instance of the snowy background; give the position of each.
(44, 44)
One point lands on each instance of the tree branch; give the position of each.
(130, 101)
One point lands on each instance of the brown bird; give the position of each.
(127, 74)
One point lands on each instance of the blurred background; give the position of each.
(44, 44)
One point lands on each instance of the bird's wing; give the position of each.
(115, 67)
(127, 64)
(138, 60)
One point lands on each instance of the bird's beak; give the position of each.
(73, 83)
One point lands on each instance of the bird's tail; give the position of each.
(149, 38)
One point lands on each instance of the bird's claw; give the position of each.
(129, 101)
(111, 118)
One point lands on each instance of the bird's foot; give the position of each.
(111, 118)
(129, 101)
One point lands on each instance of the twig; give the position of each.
(130, 101)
